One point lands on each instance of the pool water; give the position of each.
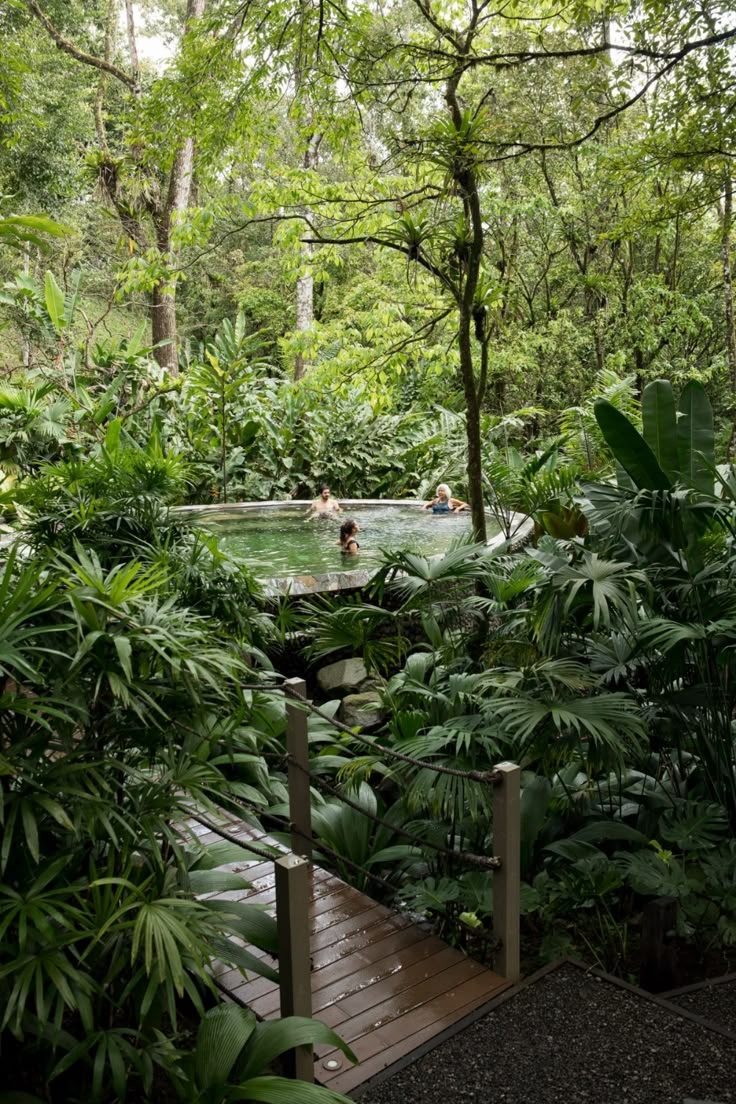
(279, 541)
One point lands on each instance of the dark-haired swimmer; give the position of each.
(325, 505)
(347, 541)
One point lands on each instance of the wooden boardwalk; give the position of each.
(383, 984)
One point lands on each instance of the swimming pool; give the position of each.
(279, 543)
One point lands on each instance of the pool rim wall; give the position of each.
(333, 581)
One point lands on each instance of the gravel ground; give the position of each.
(716, 1002)
(571, 1038)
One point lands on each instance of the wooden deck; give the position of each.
(383, 984)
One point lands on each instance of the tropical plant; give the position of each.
(540, 487)
(34, 424)
(110, 706)
(233, 1052)
(228, 368)
(356, 627)
(676, 444)
(19, 231)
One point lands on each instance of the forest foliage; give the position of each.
(248, 247)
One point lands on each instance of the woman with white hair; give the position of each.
(444, 503)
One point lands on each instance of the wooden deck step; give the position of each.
(383, 983)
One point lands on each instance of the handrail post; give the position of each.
(295, 983)
(297, 746)
(507, 879)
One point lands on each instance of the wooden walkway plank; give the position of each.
(384, 984)
(379, 1050)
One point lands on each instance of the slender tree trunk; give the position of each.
(305, 282)
(223, 423)
(726, 226)
(110, 21)
(472, 430)
(163, 298)
(466, 180)
(728, 307)
(163, 326)
(26, 346)
(304, 310)
(135, 68)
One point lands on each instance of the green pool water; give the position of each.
(278, 541)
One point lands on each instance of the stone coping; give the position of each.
(276, 502)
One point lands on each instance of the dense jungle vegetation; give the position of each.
(245, 248)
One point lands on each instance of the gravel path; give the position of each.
(716, 1002)
(571, 1038)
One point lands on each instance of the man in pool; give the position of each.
(325, 505)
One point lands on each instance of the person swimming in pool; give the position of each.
(325, 505)
(444, 503)
(347, 541)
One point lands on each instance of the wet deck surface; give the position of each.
(384, 984)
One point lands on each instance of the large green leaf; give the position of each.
(222, 1034)
(19, 1098)
(630, 448)
(215, 881)
(651, 876)
(596, 831)
(274, 1038)
(19, 231)
(54, 302)
(659, 424)
(535, 800)
(693, 825)
(280, 1090)
(234, 955)
(695, 438)
(248, 921)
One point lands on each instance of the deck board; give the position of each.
(383, 983)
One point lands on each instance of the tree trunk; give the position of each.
(467, 184)
(472, 430)
(132, 47)
(163, 326)
(305, 282)
(26, 345)
(163, 299)
(726, 225)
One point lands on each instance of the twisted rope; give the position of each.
(487, 777)
(486, 862)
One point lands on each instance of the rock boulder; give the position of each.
(365, 710)
(342, 677)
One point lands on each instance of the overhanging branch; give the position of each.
(73, 51)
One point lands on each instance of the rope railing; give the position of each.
(487, 862)
(485, 777)
(274, 853)
(269, 854)
(292, 869)
(504, 778)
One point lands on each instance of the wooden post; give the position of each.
(658, 966)
(507, 880)
(297, 746)
(295, 983)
